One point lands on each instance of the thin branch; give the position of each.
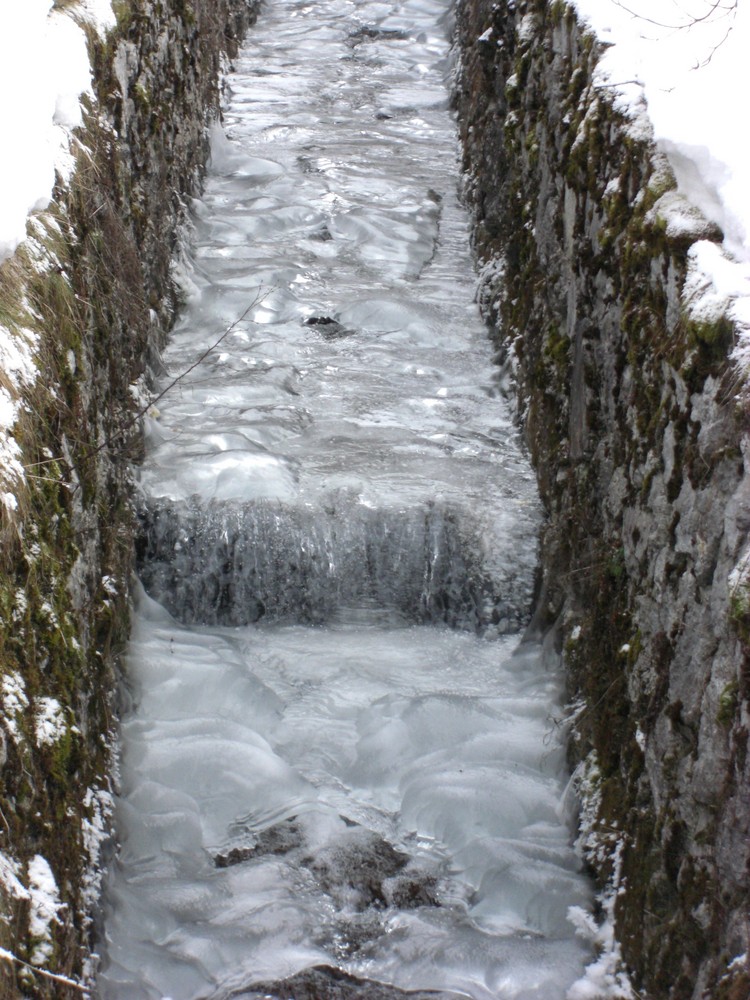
(619, 83)
(152, 402)
(178, 378)
(712, 53)
(727, 10)
(10, 957)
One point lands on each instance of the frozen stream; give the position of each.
(338, 764)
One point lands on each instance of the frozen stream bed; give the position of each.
(340, 776)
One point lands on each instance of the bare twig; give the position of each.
(152, 402)
(8, 956)
(717, 11)
(178, 378)
(727, 10)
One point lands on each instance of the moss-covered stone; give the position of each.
(92, 289)
(624, 398)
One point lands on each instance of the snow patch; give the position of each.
(604, 978)
(17, 365)
(15, 702)
(683, 219)
(680, 74)
(36, 129)
(50, 722)
(99, 13)
(716, 286)
(43, 52)
(99, 804)
(9, 880)
(526, 28)
(693, 79)
(44, 910)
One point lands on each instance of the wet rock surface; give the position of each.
(360, 871)
(278, 839)
(642, 461)
(329, 328)
(99, 281)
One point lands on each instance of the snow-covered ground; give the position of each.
(44, 67)
(696, 79)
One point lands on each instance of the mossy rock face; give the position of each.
(91, 287)
(628, 407)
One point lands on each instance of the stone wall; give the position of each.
(92, 291)
(634, 419)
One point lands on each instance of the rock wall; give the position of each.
(88, 295)
(639, 432)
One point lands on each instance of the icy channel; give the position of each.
(340, 774)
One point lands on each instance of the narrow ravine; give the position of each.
(339, 762)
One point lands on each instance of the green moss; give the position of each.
(717, 333)
(558, 11)
(124, 11)
(142, 98)
(728, 702)
(616, 564)
(739, 610)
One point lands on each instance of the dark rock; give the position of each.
(354, 869)
(323, 234)
(329, 328)
(371, 32)
(323, 982)
(411, 889)
(278, 839)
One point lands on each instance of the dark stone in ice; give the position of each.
(329, 328)
(368, 31)
(410, 890)
(323, 982)
(353, 870)
(278, 839)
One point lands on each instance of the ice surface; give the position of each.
(435, 740)
(378, 792)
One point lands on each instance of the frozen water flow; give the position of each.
(269, 778)
(320, 778)
(231, 564)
